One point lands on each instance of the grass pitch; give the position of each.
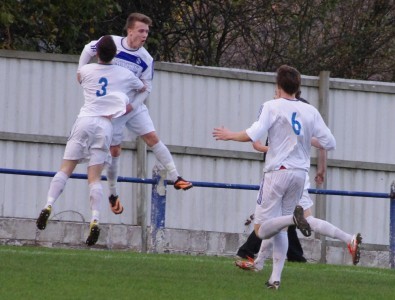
(43, 273)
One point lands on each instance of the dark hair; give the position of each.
(106, 49)
(288, 79)
(299, 97)
(137, 17)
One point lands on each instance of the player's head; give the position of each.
(288, 79)
(137, 29)
(106, 49)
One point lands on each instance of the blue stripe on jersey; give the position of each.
(132, 58)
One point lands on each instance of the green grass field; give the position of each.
(43, 273)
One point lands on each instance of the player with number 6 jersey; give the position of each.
(294, 124)
(290, 126)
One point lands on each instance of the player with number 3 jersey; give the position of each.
(132, 55)
(105, 89)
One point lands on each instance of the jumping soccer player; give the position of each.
(133, 56)
(105, 87)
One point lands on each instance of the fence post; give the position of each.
(323, 107)
(392, 226)
(141, 192)
(158, 206)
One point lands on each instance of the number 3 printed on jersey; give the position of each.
(296, 126)
(104, 82)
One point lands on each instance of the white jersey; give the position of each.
(290, 125)
(105, 89)
(139, 61)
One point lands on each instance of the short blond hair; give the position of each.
(137, 17)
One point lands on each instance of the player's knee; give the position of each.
(151, 138)
(256, 229)
(115, 150)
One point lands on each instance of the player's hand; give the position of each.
(143, 89)
(79, 78)
(221, 133)
(258, 146)
(129, 108)
(319, 179)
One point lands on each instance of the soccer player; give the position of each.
(133, 56)
(105, 89)
(290, 125)
(317, 225)
(251, 247)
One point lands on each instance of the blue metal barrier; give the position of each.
(392, 226)
(158, 199)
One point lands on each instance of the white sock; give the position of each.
(273, 226)
(327, 229)
(163, 155)
(56, 187)
(112, 175)
(265, 251)
(96, 195)
(280, 248)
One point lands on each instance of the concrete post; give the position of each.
(323, 107)
(158, 206)
(141, 192)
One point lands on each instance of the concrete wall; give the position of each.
(21, 232)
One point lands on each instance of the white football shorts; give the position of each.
(279, 193)
(89, 141)
(306, 202)
(138, 122)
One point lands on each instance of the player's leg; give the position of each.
(164, 156)
(112, 179)
(56, 188)
(250, 247)
(248, 251)
(295, 250)
(113, 167)
(264, 253)
(268, 214)
(257, 264)
(141, 124)
(325, 228)
(96, 195)
(280, 247)
(281, 190)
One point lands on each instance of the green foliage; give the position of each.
(351, 39)
(42, 273)
(53, 26)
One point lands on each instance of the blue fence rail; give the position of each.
(158, 199)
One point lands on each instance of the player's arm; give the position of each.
(87, 53)
(146, 78)
(321, 162)
(224, 134)
(323, 134)
(258, 146)
(321, 166)
(136, 84)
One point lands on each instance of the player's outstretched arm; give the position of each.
(224, 134)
